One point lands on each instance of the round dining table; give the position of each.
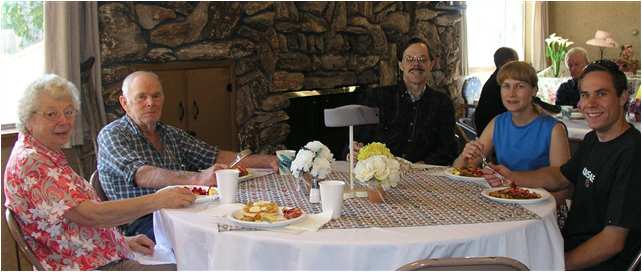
(432, 226)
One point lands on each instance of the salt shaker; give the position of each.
(315, 194)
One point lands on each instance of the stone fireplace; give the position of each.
(277, 47)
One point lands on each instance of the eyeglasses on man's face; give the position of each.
(412, 59)
(53, 115)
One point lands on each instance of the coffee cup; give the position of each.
(285, 158)
(332, 197)
(228, 185)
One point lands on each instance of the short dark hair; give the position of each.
(617, 76)
(410, 42)
(504, 55)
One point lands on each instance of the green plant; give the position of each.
(25, 18)
(556, 48)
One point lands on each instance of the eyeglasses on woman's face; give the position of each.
(53, 115)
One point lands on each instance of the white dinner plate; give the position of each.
(543, 193)
(577, 115)
(480, 180)
(262, 224)
(199, 198)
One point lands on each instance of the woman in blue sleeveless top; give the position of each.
(522, 138)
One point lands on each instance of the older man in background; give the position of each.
(138, 154)
(568, 93)
(416, 122)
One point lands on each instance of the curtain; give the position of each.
(463, 44)
(71, 38)
(535, 32)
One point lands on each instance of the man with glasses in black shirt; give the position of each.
(603, 227)
(416, 122)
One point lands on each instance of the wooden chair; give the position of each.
(16, 232)
(471, 264)
(95, 182)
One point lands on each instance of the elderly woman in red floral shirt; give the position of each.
(64, 222)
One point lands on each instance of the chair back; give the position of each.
(95, 182)
(16, 232)
(635, 266)
(471, 89)
(471, 264)
(467, 128)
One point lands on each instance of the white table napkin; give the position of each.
(162, 255)
(312, 222)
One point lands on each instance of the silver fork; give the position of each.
(486, 165)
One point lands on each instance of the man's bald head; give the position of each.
(140, 78)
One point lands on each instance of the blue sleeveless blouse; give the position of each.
(523, 148)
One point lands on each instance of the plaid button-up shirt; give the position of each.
(122, 149)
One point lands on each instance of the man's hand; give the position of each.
(140, 243)
(173, 198)
(356, 146)
(491, 175)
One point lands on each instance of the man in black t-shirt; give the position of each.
(603, 227)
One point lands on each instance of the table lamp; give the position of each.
(350, 115)
(602, 40)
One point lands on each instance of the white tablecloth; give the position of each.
(192, 233)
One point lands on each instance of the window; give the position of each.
(22, 53)
(491, 25)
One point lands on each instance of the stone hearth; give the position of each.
(277, 47)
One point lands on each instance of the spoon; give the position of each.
(240, 156)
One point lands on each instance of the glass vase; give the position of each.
(375, 193)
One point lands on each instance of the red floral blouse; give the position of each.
(40, 187)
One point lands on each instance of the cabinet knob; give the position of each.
(181, 111)
(229, 88)
(196, 110)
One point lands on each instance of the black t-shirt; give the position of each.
(606, 176)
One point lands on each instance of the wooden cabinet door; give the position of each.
(175, 92)
(211, 106)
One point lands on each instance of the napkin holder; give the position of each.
(349, 116)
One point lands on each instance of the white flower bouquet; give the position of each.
(377, 166)
(556, 48)
(314, 158)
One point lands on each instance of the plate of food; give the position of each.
(266, 214)
(244, 173)
(202, 193)
(468, 174)
(517, 195)
(577, 115)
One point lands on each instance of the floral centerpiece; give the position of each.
(377, 167)
(314, 158)
(312, 161)
(556, 48)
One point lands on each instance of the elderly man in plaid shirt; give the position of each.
(138, 154)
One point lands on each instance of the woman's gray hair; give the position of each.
(49, 84)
